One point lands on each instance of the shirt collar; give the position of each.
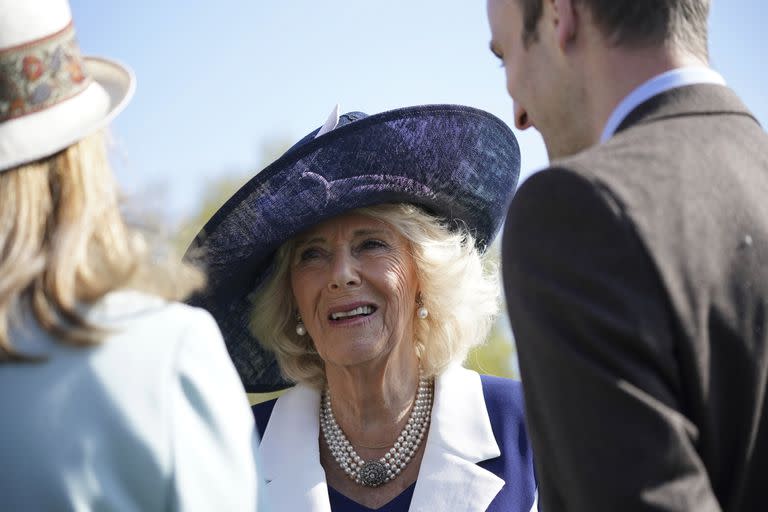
(672, 79)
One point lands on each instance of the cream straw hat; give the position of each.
(51, 96)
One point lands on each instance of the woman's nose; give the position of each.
(344, 273)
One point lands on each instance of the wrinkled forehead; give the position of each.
(347, 225)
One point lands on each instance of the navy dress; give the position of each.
(504, 403)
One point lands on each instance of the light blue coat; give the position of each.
(155, 418)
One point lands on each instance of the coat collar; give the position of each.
(689, 100)
(460, 436)
(671, 79)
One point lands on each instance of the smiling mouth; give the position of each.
(357, 312)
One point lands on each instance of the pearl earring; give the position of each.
(300, 329)
(422, 312)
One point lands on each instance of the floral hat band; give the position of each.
(39, 74)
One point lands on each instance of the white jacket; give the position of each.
(449, 479)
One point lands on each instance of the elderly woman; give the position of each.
(355, 261)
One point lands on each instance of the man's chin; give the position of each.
(563, 147)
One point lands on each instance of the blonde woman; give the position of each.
(352, 267)
(114, 397)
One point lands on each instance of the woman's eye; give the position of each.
(309, 254)
(373, 244)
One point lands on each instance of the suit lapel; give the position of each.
(460, 436)
(290, 454)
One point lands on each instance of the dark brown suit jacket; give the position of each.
(636, 275)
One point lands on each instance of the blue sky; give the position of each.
(217, 80)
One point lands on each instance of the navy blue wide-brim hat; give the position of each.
(456, 162)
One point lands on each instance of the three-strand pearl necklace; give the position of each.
(373, 473)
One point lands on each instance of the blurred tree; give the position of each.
(218, 190)
(216, 193)
(496, 356)
(257, 398)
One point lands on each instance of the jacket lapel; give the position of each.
(290, 454)
(460, 436)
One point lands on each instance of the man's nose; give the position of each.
(522, 122)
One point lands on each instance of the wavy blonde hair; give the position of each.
(63, 242)
(459, 290)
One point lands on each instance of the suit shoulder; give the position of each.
(560, 198)
(628, 164)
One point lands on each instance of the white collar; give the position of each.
(449, 478)
(672, 79)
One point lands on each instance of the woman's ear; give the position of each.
(565, 17)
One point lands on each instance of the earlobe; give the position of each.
(565, 22)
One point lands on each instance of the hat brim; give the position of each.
(117, 80)
(456, 162)
(43, 133)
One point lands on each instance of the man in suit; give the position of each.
(636, 266)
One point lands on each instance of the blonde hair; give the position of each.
(63, 242)
(459, 291)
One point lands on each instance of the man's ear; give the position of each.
(565, 21)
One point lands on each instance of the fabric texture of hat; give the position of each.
(455, 162)
(51, 96)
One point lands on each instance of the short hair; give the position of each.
(63, 242)
(459, 288)
(635, 23)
